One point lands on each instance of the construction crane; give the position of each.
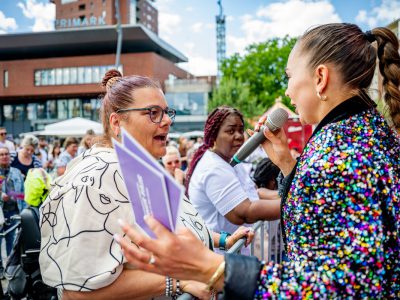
(221, 46)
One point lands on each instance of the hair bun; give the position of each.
(110, 77)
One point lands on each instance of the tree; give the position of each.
(252, 82)
(234, 93)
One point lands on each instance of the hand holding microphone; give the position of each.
(274, 122)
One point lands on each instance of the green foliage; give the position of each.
(252, 82)
(236, 94)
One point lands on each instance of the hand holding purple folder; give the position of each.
(151, 189)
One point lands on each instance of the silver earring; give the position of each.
(321, 97)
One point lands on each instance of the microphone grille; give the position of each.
(278, 117)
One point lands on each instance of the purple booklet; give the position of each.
(174, 189)
(146, 189)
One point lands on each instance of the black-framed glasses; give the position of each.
(156, 113)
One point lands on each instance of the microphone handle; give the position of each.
(247, 148)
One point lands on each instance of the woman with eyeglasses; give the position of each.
(80, 214)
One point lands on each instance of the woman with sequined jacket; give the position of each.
(340, 200)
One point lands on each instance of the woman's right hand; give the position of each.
(277, 148)
(180, 255)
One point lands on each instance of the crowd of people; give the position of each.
(337, 198)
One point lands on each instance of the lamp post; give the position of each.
(119, 31)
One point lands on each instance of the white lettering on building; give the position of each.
(78, 22)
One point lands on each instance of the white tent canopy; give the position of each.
(193, 134)
(75, 127)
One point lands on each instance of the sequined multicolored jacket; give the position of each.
(341, 215)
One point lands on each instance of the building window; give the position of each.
(72, 75)
(8, 112)
(82, 7)
(19, 112)
(5, 78)
(74, 108)
(62, 108)
(44, 78)
(51, 109)
(31, 111)
(66, 76)
(88, 75)
(58, 76)
(96, 74)
(132, 12)
(41, 111)
(52, 77)
(37, 78)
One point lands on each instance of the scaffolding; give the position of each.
(221, 45)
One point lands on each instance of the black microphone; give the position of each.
(274, 121)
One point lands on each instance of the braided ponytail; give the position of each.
(389, 67)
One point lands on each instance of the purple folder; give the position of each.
(146, 188)
(175, 190)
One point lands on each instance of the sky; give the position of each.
(189, 25)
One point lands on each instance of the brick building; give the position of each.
(74, 13)
(51, 76)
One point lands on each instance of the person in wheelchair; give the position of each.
(12, 196)
(22, 270)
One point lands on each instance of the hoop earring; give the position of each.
(322, 97)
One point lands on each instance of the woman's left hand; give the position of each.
(241, 232)
(197, 289)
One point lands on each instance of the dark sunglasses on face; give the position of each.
(3, 133)
(156, 113)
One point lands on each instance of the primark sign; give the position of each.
(80, 22)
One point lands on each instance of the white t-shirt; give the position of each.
(216, 188)
(78, 220)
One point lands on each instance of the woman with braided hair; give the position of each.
(225, 197)
(340, 200)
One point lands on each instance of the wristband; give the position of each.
(222, 240)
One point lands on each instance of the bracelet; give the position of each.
(168, 286)
(214, 278)
(178, 288)
(222, 240)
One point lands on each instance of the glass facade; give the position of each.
(71, 75)
(188, 103)
(52, 110)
